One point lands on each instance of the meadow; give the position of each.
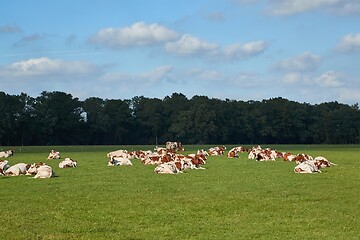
(231, 199)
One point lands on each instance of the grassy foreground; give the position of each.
(231, 199)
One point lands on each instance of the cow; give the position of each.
(202, 151)
(119, 161)
(174, 146)
(216, 151)
(54, 155)
(234, 152)
(4, 165)
(17, 169)
(41, 170)
(323, 162)
(194, 161)
(302, 157)
(308, 166)
(68, 163)
(168, 168)
(260, 154)
(288, 157)
(7, 153)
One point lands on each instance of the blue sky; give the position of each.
(302, 50)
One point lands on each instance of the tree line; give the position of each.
(58, 118)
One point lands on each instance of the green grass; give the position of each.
(231, 199)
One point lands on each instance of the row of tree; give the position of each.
(57, 118)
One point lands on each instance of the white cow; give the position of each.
(7, 153)
(54, 155)
(41, 170)
(17, 169)
(307, 167)
(119, 161)
(68, 163)
(167, 168)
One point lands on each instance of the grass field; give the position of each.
(231, 199)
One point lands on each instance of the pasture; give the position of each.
(231, 199)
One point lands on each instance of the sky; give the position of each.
(301, 50)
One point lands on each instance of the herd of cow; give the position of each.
(39, 170)
(167, 160)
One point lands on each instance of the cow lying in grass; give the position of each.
(7, 153)
(169, 168)
(68, 163)
(307, 167)
(54, 155)
(4, 165)
(119, 161)
(17, 169)
(41, 170)
(234, 152)
(313, 166)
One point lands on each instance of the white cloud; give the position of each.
(292, 77)
(239, 51)
(304, 62)
(349, 43)
(289, 7)
(330, 79)
(188, 45)
(45, 66)
(141, 79)
(199, 74)
(138, 34)
(348, 7)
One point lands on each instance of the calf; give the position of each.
(68, 163)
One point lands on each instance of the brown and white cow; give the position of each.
(7, 153)
(302, 157)
(68, 163)
(41, 170)
(17, 169)
(174, 146)
(234, 152)
(307, 167)
(322, 162)
(217, 151)
(168, 168)
(54, 155)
